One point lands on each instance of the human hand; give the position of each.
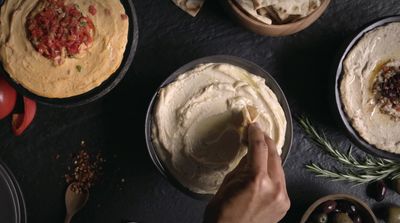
(255, 191)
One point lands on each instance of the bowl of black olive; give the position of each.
(339, 208)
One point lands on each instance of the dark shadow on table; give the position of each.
(125, 111)
(307, 75)
(302, 195)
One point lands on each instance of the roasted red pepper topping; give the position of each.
(59, 30)
(92, 10)
(124, 16)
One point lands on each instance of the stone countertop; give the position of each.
(131, 187)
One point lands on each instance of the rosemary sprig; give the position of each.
(362, 171)
(338, 176)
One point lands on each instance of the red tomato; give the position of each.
(8, 97)
(20, 122)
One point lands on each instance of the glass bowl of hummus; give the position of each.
(195, 123)
(275, 18)
(66, 53)
(367, 88)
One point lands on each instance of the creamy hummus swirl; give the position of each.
(361, 66)
(196, 129)
(78, 74)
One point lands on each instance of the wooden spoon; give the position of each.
(74, 202)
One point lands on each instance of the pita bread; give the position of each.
(314, 4)
(249, 115)
(284, 11)
(192, 7)
(258, 4)
(248, 7)
(292, 7)
(279, 19)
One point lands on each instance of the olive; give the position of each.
(342, 218)
(378, 190)
(328, 206)
(356, 218)
(396, 185)
(347, 206)
(337, 210)
(393, 215)
(320, 218)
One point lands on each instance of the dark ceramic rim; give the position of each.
(247, 65)
(354, 135)
(16, 193)
(107, 85)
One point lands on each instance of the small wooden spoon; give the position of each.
(74, 202)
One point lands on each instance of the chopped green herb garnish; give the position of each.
(79, 68)
(84, 24)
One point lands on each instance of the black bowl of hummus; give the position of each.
(67, 53)
(367, 88)
(195, 124)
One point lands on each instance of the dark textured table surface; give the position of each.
(131, 188)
